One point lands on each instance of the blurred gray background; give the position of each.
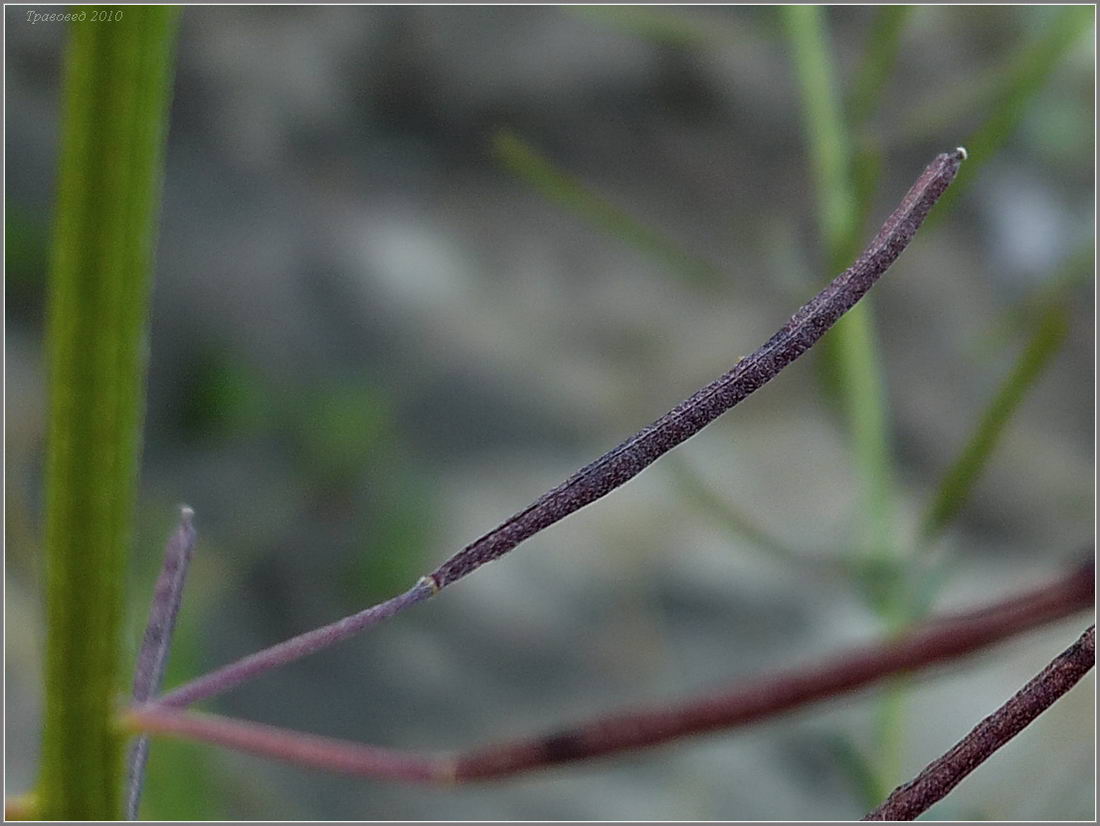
(372, 342)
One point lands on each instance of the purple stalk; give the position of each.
(620, 465)
(805, 328)
(227, 677)
(945, 773)
(936, 641)
(324, 753)
(153, 655)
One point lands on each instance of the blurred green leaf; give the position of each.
(182, 783)
(878, 61)
(854, 765)
(26, 247)
(860, 376)
(878, 581)
(958, 483)
(116, 92)
(1024, 77)
(929, 119)
(872, 77)
(220, 395)
(345, 428)
(1075, 273)
(364, 486)
(573, 195)
(396, 529)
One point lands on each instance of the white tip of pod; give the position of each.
(962, 151)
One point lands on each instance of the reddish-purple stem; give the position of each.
(934, 642)
(621, 464)
(229, 676)
(944, 774)
(325, 753)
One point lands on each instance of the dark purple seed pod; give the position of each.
(805, 328)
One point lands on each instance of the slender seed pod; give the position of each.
(805, 328)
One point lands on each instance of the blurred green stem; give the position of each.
(559, 187)
(878, 62)
(116, 93)
(1020, 81)
(959, 481)
(826, 142)
(701, 493)
(852, 349)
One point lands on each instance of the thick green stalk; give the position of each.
(115, 109)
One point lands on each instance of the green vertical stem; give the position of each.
(852, 348)
(826, 140)
(851, 352)
(115, 109)
(877, 65)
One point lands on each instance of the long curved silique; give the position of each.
(798, 335)
(621, 464)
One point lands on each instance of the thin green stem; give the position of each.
(852, 351)
(577, 197)
(744, 528)
(740, 524)
(1021, 79)
(826, 139)
(958, 483)
(878, 62)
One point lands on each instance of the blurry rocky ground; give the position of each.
(372, 342)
